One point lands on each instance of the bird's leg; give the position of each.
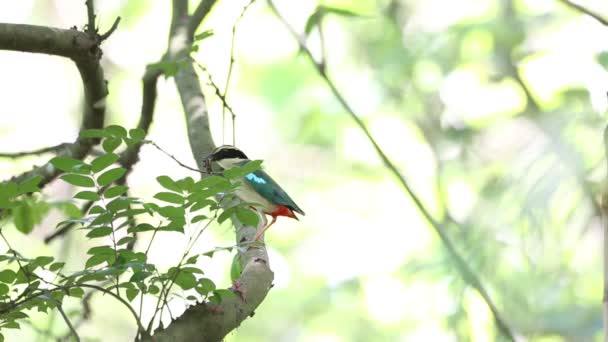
(261, 231)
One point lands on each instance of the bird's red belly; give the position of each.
(282, 210)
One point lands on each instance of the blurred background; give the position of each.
(492, 109)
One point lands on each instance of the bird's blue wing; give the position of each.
(263, 184)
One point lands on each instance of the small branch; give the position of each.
(49, 149)
(150, 142)
(91, 18)
(64, 316)
(229, 76)
(605, 245)
(465, 270)
(106, 35)
(201, 11)
(69, 226)
(216, 89)
(586, 11)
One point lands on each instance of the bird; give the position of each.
(257, 187)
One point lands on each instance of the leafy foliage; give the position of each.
(184, 206)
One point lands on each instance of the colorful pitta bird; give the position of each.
(257, 187)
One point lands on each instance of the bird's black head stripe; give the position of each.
(228, 153)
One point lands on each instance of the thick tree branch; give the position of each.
(464, 269)
(83, 49)
(205, 321)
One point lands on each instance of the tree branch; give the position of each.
(49, 149)
(464, 269)
(586, 11)
(84, 50)
(206, 321)
(604, 206)
(131, 155)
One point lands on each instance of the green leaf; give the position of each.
(22, 217)
(111, 176)
(97, 259)
(168, 183)
(101, 250)
(203, 35)
(76, 292)
(116, 131)
(78, 180)
(110, 144)
(172, 212)
(192, 270)
(126, 239)
(118, 204)
(185, 280)
(137, 134)
(226, 215)
(7, 276)
(70, 209)
(200, 204)
(241, 171)
(313, 21)
(153, 289)
(29, 185)
(94, 133)
(315, 18)
(115, 191)
(169, 197)
(88, 195)
(185, 184)
(96, 209)
(104, 218)
(103, 161)
(210, 181)
(198, 218)
(131, 294)
(235, 268)
(247, 216)
(206, 285)
(3, 291)
(56, 266)
(142, 227)
(66, 164)
(99, 232)
(602, 58)
(139, 276)
(43, 260)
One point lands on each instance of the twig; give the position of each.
(150, 142)
(464, 269)
(65, 317)
(106, 35)
(605, 246)
(229, 76)
(586, 11)
(201, 11)
(43, 150)
(91, 17)
(215, 87)
(69, 226)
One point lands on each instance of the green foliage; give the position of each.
(321, 11)
(111, 223)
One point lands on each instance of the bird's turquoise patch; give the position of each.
(253, 178)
